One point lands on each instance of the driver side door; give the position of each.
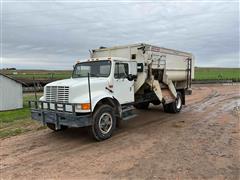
(123, 88)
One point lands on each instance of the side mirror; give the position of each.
(131, 77)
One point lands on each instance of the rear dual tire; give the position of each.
(174, 107)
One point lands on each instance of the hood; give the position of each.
(78, 88)
(73, 82)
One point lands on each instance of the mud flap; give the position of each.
(156, 88)
(167, 96)
(169, 82)
(172, 88)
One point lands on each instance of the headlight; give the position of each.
(78, 107)
(83, 106)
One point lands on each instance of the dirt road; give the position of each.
(203, 141)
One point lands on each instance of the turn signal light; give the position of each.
(85, 106)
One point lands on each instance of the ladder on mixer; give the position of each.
(189, 72)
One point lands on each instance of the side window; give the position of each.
(121, 70)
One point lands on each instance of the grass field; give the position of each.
(200, 74)
(217, 74)
(15, 122)
(38, 74)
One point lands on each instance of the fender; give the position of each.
(99, 97)
(96, 96)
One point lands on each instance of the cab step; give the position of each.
(128, 112)
(129, 117)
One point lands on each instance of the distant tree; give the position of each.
(10, 68)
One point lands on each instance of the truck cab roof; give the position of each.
(104, 59)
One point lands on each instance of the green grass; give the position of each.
(217, 74)
(38, 74)
(10, 116)
(43, 76)
(18, 121)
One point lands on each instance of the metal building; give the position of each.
(11, 95)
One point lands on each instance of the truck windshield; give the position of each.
(94, 68)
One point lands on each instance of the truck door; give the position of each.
(123, 88)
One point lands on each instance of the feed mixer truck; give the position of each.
(105, 89)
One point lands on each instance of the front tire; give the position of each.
(104, 123)
(174, 107)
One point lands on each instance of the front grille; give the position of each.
(57, 94)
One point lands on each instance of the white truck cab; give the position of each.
(103, 89)
(108, 78)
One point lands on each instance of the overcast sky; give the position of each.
(54, 34)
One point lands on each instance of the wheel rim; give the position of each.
(179, 102)
(105, 123)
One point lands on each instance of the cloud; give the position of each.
(40, 35)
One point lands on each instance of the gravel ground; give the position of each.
(201, 142)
